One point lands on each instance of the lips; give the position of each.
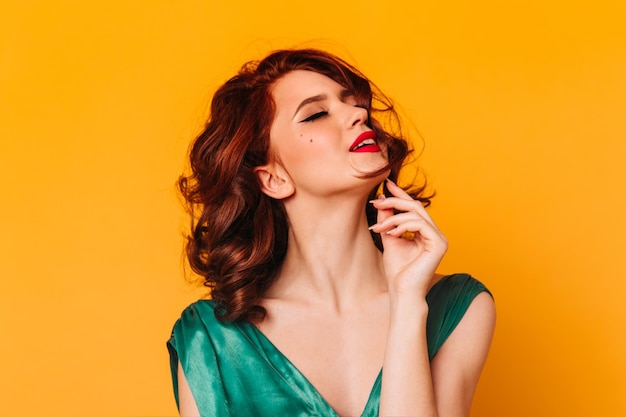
(365, 142)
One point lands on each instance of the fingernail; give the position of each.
(378, 199)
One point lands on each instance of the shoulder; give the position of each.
(194, 357)
(199, 328)
(459, 361)
(449, 302)
(453, 294)
(195, 322)
(457, 285)
(197, 313)
(198, 308)
(466, 308)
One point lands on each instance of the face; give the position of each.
(320, 135)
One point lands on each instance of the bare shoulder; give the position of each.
(475, 330)
(472, 337)
(458, 364)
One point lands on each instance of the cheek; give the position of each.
(305, 150)
(307, 157)
(306, 144)
(293, 154)
(303, 138)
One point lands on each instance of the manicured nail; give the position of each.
(378, 199)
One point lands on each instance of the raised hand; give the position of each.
(413, 244)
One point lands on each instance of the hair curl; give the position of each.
(239, 235)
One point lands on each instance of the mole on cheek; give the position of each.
(311, 140)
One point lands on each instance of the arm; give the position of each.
(187, 404)
(407, 388)
(410, 386)
(445, 387)
(457, 365)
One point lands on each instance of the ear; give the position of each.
(274, 181)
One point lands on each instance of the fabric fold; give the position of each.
(234, 370)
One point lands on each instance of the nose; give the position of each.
(356, 116)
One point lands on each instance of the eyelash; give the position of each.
(314, 117)
(321, 114)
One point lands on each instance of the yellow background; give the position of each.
(522, 106)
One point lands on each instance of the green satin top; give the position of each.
(233, 370)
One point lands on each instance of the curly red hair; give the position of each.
(239, 235)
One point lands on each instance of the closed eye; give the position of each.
(314, 117)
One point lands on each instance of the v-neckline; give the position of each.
(297, 373)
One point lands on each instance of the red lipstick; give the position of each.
(365, 142)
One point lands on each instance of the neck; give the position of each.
(331, 257)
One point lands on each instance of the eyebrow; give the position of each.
(321, 97)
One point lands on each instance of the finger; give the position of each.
(402, 205)
(401, 223)
(382, 212)
(427, 236)
(398, 192)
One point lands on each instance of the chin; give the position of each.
(375, 167)
(375, 180)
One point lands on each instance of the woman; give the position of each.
(318, 279)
